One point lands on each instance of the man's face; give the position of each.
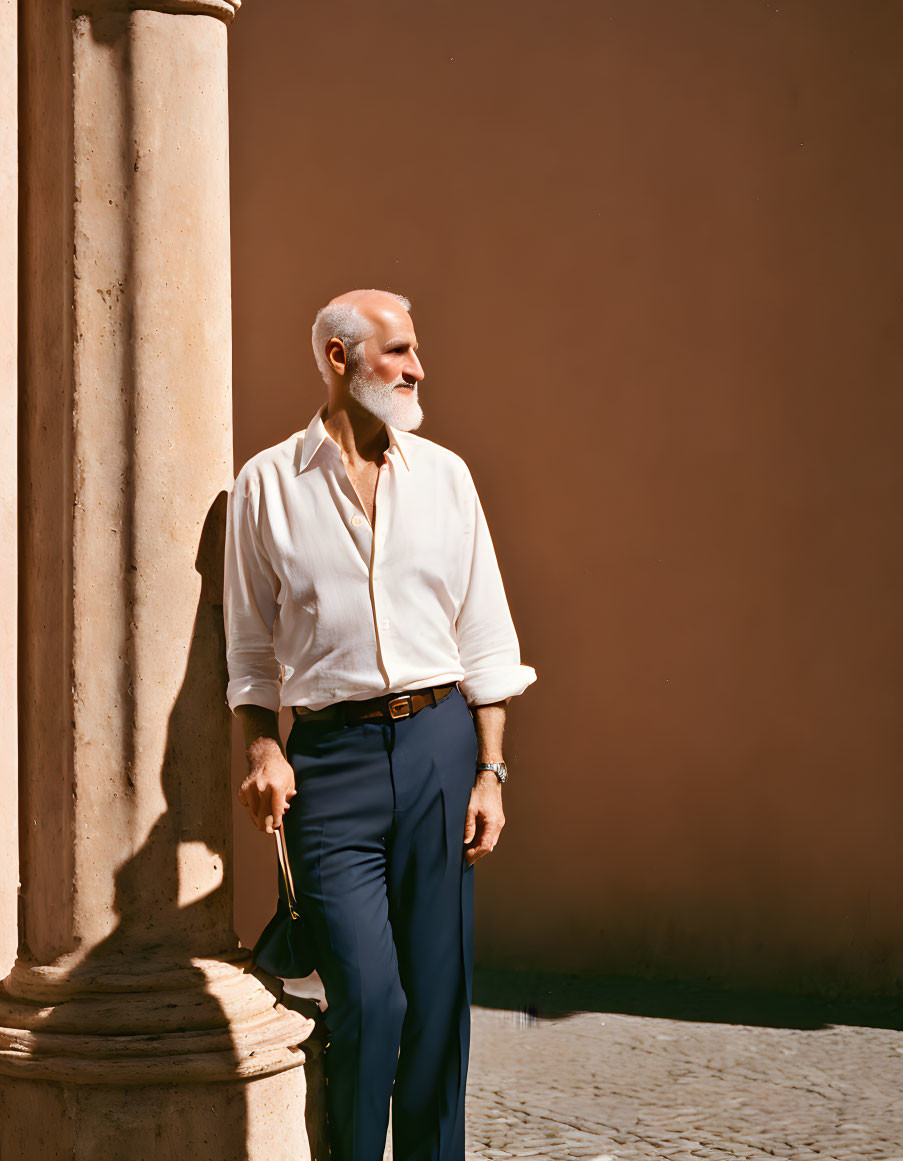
(386, 371)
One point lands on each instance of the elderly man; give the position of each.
(362, 589)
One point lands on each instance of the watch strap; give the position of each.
(500, 769)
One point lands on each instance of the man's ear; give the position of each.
(337, 356)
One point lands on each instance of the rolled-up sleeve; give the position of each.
(487, 641)
(249, 608)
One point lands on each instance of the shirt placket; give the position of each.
(379, 596)
(357, 523)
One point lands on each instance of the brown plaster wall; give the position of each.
(654, 253)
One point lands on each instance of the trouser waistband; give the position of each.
(386, 707)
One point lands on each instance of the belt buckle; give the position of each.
(403, 704)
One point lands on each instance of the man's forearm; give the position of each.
(261, 727)
(489, 721)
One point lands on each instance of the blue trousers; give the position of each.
(375, 840)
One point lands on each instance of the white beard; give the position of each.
(382, 400)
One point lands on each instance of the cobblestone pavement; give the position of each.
(681, 1078)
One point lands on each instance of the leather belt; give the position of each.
(386, 707)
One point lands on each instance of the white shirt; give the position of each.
(321, 608)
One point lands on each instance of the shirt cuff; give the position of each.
(243, 691)
(486, 686)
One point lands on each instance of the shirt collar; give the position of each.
(397, 441)
(316, 435)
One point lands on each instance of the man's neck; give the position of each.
(361, 436)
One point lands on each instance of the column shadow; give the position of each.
(168, 1011)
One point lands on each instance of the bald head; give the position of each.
(353, 317)
(370, 302)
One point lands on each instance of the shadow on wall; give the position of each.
(538, 996)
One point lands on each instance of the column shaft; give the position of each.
(128, 971)
(9, 863)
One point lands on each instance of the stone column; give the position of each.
(9, 774)
(131, 1025)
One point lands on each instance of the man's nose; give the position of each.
(414, 368)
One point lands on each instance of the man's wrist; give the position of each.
(263, 746)
(498, 771)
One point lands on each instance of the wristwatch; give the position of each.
(498, 768)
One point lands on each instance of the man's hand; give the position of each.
(269, 786)
(485, 817)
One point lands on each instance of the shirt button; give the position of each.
(386, 623)
(355, 519)
(383, 467)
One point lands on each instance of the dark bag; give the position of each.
(285, 947)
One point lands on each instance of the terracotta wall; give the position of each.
(654, 252)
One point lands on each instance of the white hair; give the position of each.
(341, 320)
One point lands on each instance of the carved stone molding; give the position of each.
(224, 9)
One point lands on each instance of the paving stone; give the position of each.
(648, 1088)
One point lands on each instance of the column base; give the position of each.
(271, 1118)
(201, 1021)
